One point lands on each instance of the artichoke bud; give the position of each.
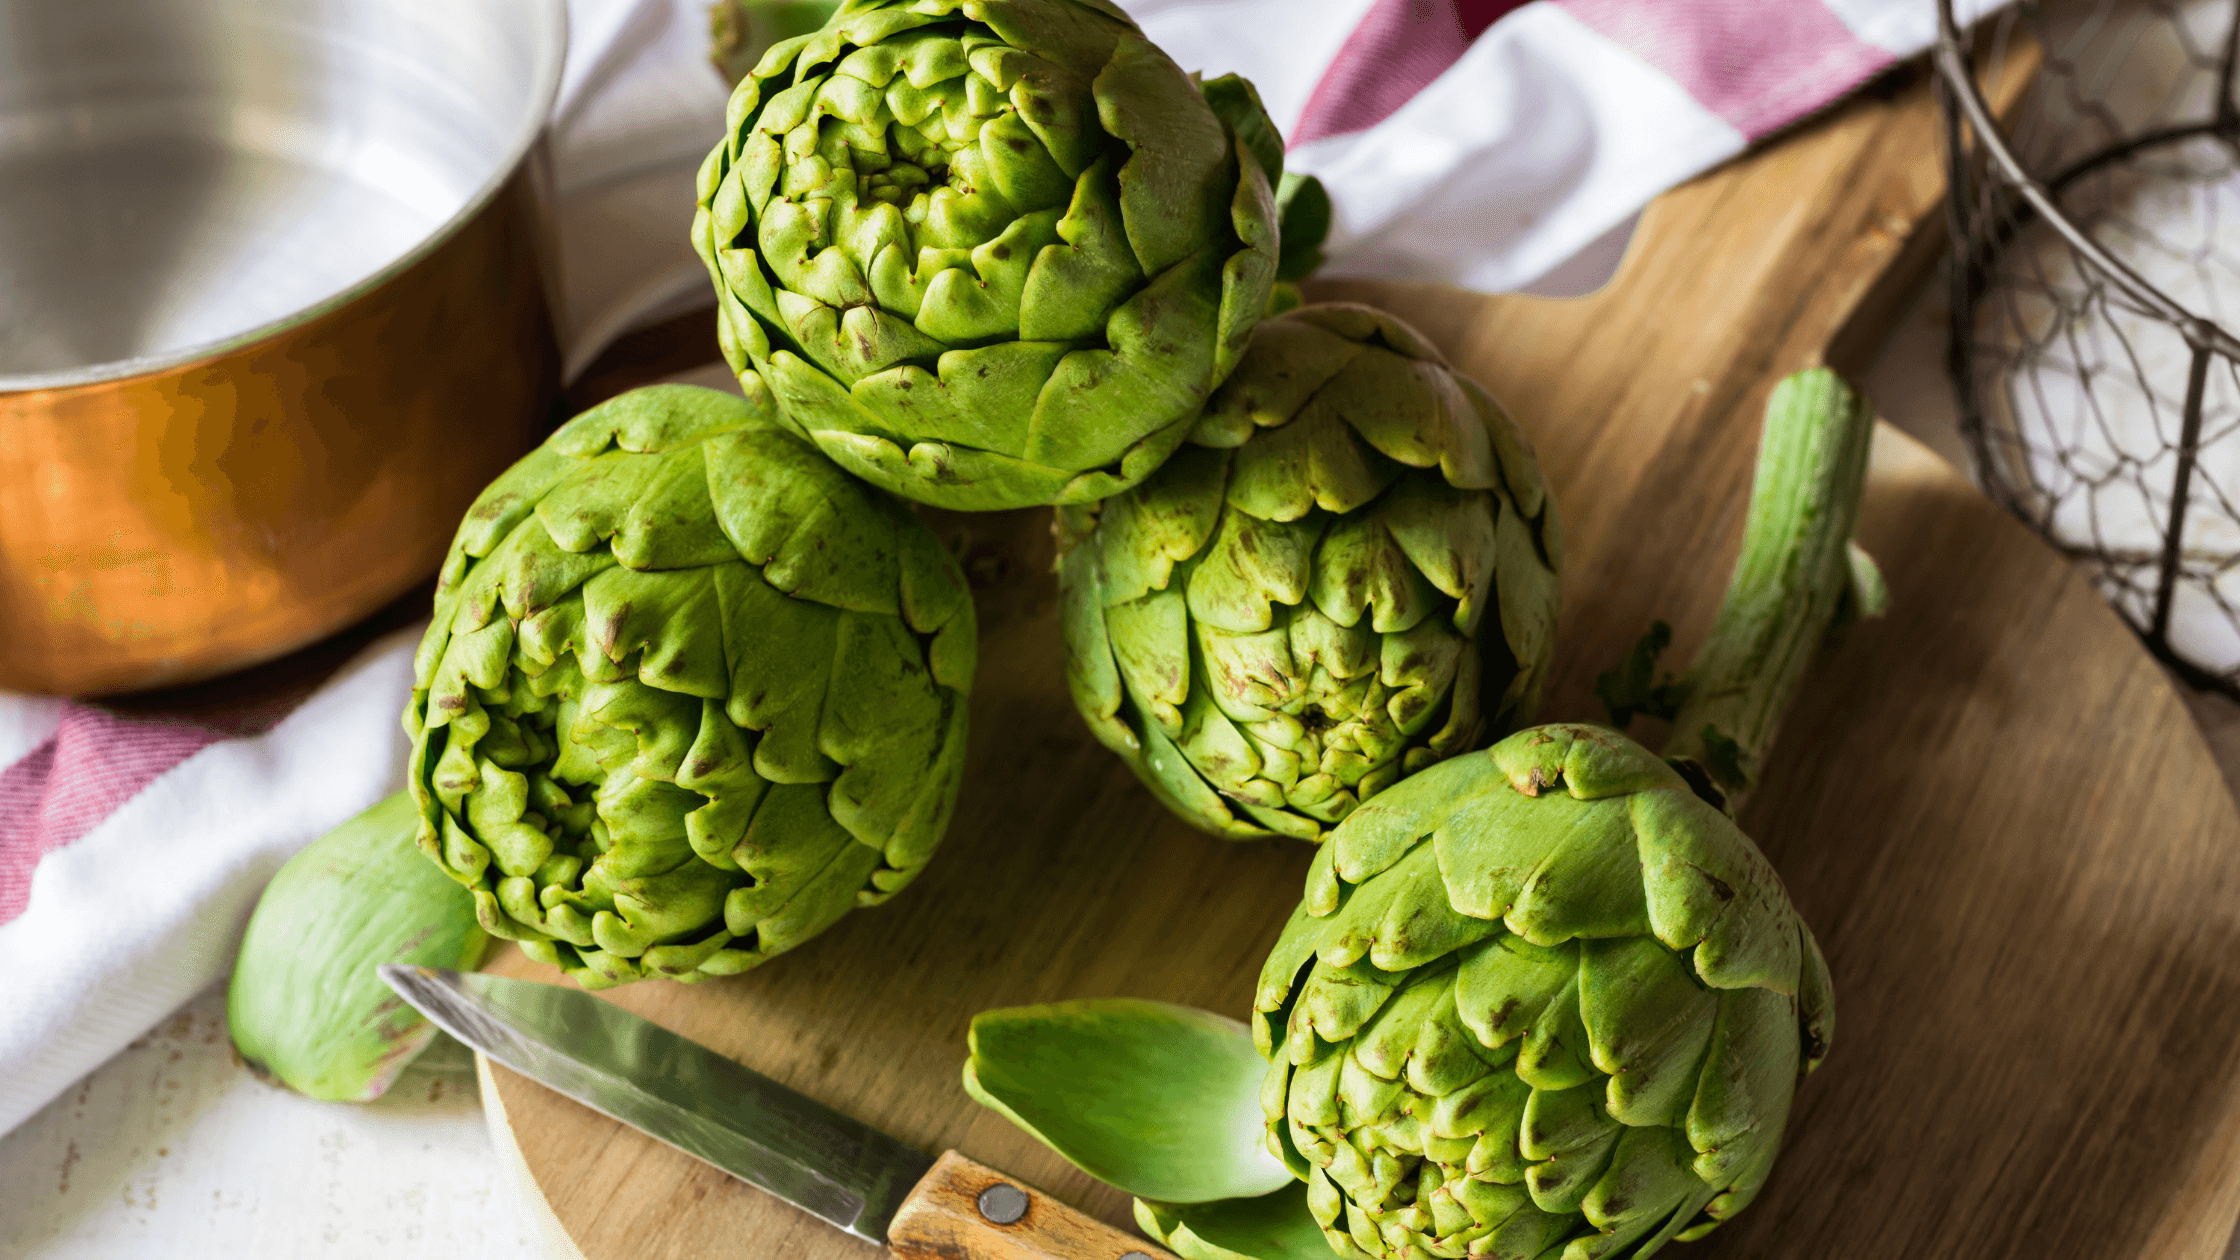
(1348, 575)
(690, 694)
(1540, 1001)
(989, 255)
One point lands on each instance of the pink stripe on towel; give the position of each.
(93, 763)
(1396, 51)
(1758, 64)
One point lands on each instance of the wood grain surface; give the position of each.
(1991, 805)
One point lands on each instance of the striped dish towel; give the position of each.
(1487, 143)
(1502, 145)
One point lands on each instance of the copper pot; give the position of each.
(276, 301)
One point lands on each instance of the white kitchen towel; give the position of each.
(144, 908)
(1489, 143)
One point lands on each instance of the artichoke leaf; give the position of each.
(1288, 362)
(1250, 566)
(304, 1006)
(1749, 1078)
(1711, 888)
(1160, 1100)
(503, 504)
(533, 573)
(1076, 281)
(1248, 278)
(669, 623)
(1648, 1022)
(1587, 880)
(1303, 209)
(1092, 672)
(1237, 103)
(1157, 373)
(1402, 920)
(1520, 466)
(1314, 461)
(1176, 782)
(978, 398)
(1169, 187)
(1143, 534)
(1363, 577)
(1272, 1226)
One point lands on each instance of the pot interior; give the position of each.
(175, 176)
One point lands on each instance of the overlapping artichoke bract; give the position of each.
(1539, 1001)
(1347, 575)
(691, 692)
(989, 253)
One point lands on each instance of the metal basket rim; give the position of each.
(1951, 59)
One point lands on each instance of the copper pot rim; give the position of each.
(552, 57)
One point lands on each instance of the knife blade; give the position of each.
(869, 1184)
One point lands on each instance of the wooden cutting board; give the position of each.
(1991, 806)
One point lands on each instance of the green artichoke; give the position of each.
(304, 1006)
(690, 692)
(989, 253)
(1540, 1002)
(1347, 575)
(1544, 994)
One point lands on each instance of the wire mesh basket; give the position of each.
(2095, 284)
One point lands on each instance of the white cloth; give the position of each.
(639, 108)
(146, 910)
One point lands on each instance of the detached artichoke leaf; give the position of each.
(304, 1006)
(1162, 1101)
(1158, 1100)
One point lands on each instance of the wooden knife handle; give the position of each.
(968, 1211)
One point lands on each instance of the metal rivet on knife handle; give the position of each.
(962, 1208)
(1004, 1203)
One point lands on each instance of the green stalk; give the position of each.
(1795, 572)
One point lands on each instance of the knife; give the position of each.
(869, 1184)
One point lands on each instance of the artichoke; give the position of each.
(1540, 1002)
(1348, 574)
(989, 253)
(1539, 995)
(690, 692)
(304, 1007)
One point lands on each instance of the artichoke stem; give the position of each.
(1789, 582)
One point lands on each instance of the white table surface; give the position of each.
(173, 1150)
